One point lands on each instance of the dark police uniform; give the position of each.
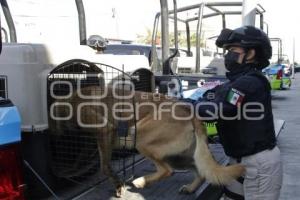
(247, 136)
(244, 137)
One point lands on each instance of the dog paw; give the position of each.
(120, 191)
(139, 182)
(185, 189)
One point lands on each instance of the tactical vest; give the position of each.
(246, 137)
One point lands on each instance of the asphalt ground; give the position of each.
(286, 106)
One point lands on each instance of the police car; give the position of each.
(198, 93)
(277, 77)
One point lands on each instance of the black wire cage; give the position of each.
(73, 150)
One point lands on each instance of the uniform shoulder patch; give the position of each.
(235, 97)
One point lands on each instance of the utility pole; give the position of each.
(116, 18)
(249, 12)
(293, 65)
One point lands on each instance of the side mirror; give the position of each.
(97, 43)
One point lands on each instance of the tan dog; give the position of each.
(168, 142)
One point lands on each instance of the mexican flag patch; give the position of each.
(235, 97)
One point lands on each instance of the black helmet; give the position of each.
(248, 37)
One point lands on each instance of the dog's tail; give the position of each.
(207, 166)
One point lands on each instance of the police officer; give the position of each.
(244, 114)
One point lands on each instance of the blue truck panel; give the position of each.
(10, 125)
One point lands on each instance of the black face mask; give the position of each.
(231, 61)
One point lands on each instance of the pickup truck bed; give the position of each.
(165, 189)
